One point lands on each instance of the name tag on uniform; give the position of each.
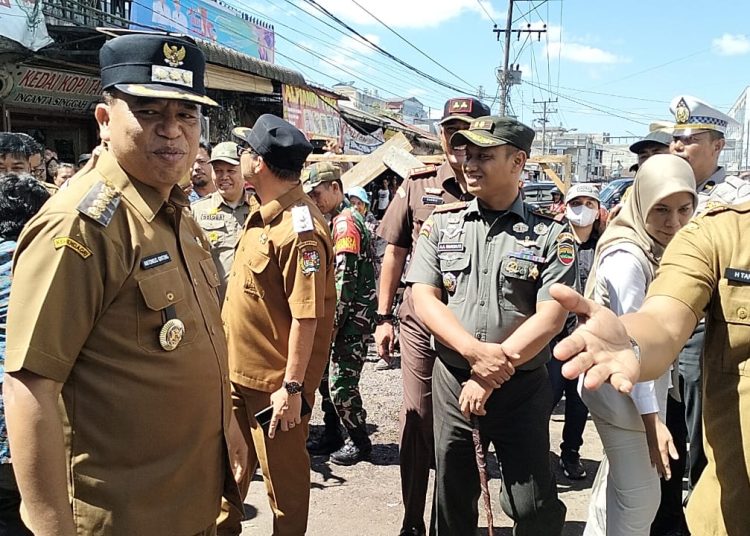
(432, 200)
(737, 275)
(152, 261)
(451, 246)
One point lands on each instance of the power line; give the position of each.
(386, 53)
(533, 8)
(394, 32)
(486, 12)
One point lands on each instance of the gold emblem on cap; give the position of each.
(173, 56)
(171, 334)
(682, 112)
(482, 125)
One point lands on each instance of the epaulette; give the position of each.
(714, 207)
(100, 203)
(422, 172)
(450, 207)
(52, 189)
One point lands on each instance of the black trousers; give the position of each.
(10, 503)
(692, 395)
(517, 424)
(576, 411)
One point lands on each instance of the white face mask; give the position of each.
(581, 216)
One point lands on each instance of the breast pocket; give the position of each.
(455, 269)
(734, 305)
(158, 292)
(256, 274)
(518, 285)
(212, 275)
(216, 231)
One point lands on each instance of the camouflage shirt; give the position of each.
(354, 272)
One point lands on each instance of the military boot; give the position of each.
(330, 441)
(357, 448)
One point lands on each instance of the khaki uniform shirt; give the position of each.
(707, 267)
(222, 225)
(413, 203)
(492, 268)
(283, 269)
(96, 273)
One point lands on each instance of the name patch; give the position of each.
(432, 200)
(451, 246)
(152, 261)
(67, 242)
(737, 275)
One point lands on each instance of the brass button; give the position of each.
(170, 209)
(170, 296)
(742, 313)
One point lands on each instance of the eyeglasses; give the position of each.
(243, 149)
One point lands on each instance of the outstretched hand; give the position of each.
(600, 348)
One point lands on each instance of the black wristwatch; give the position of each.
(382, 319)
(293, 388)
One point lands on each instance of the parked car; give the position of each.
(612, 193)
(538, 193)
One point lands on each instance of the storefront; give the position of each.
(54, 106)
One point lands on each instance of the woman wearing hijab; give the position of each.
(636, 443)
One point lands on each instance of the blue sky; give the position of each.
(613, 66)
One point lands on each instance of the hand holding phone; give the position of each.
(265, 415)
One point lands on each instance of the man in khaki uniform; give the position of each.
(704, 274)
(222, 214)
(278, 316)
(114, 307)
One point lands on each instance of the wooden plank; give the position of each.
(555, 178)
(401, 162)
(372, 165)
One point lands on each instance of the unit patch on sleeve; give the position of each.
(68, 242)
(309, 261)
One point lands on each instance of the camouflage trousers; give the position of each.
(340, 384)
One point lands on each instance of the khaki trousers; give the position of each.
(284, 463)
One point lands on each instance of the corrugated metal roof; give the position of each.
(242, 62)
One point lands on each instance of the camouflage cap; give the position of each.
(320, 173)
(492, 131)
(225, 152)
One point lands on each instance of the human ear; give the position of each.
(102, 116)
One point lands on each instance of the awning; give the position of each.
(242, 62)
(218, 77)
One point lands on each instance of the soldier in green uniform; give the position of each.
(355, 316)
(480, 279)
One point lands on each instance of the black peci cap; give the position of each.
(492, 131)
(154, 66)
(465, 109)
(280, 143)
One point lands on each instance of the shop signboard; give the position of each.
(357, 143)
(208, 21)
(315, 115)
(34, 87)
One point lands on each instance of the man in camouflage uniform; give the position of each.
(354, 322)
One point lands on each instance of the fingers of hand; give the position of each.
(572, 300)
(570, 346)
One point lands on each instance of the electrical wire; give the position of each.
(486, 12)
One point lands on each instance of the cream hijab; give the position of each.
(659, 177)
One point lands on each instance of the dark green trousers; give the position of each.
(517, 424)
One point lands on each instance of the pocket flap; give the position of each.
(734, 302)
(211, 224)
(258, 262)
(209, 270)
(518, 268)
(163, 289)
(451, 263)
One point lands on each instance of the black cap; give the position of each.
(465, 109)
(154, 66)
(281, 144)
(657, 137)
(492, 131)
(83, 158)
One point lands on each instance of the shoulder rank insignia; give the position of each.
(450, 207)
(422, 171)
(100, 203)
(714, 207)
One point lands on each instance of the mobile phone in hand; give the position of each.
(264, 416)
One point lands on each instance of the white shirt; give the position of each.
(383, 197)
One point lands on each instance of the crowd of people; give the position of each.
(161, 339)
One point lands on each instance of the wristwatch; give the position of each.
(293, 388)
(382, 319)
(636, 349)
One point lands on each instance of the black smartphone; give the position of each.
(264, 416)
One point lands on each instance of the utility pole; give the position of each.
(505, 78)
(544, 113)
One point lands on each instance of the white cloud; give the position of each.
(416, 92)
(572, 49)
(731, 45)
(350, 47)
(405, 13)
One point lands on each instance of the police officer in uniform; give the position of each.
(481, 276)
(278, 317)
(704, 274)
(354, 322)
(115, 307)
(222, 214)
(698, 137)
(414, 201)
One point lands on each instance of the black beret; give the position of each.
(280, 143)
(154, 66)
